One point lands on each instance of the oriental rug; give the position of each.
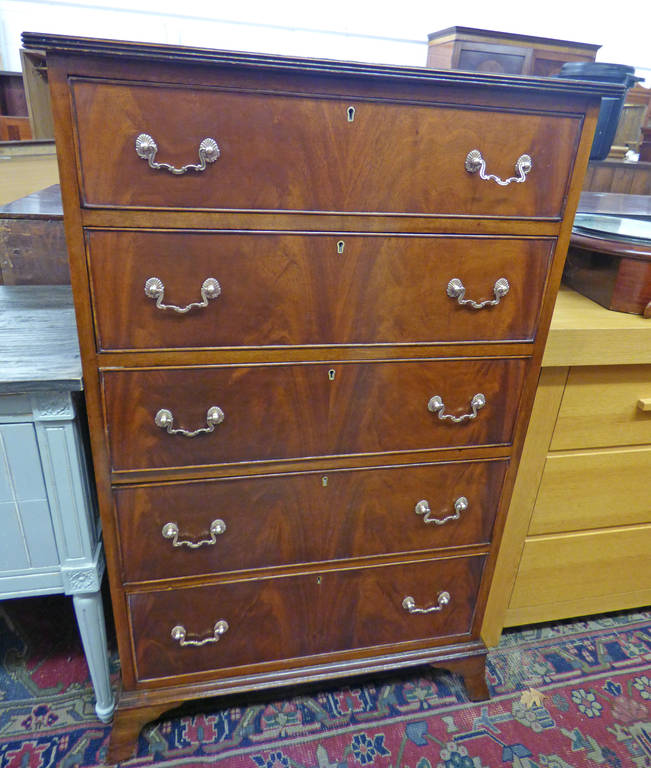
(571, 695)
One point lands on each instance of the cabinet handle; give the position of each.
(475, 162)
(442, 599)
(436, 405)
(155, 289)
(146, 148)
(171, 531)
(179, 633)
(165, 420)
(423, 508)
(644, 403)
(457, 290)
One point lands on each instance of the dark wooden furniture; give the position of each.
(14, 122)
(609, 260)
(645, 146)
(483, 50)
(619, 176)
(356, 426)
(32, 242)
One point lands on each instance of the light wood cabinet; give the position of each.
(578, 533)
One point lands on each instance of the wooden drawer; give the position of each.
(287, 289)
(564, 569)
(288, 411)
(293, 617)
(599, 407)
(593, 490)
(280, 152)
(302, 518)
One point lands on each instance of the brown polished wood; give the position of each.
(302, 518)
(286, 289)
(613, 271)
(280, 153)
(322, 372)
(127, 724)
(471, 669)
(310, 409)
(485, 50)
(287, 617)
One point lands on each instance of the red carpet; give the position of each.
(573, 695)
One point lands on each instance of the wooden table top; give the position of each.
(585, 333)
(43, 204)
(38, 339)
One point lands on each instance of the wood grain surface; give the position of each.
(279, 152)
(593, 489)
(571, 567)
(599, 408)
(292, 162)
(301, 518)
(296, 616)
(290, 411)
(294, 289)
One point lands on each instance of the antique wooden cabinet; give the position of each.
(485, 50)
(312, 298)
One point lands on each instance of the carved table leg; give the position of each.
(90, 618)
(473, 671)
(127, 724)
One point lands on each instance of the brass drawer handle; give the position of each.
(171, 531)
(475, 162)
(442, 599)
(165, 420)
(457, 290)
(155, 289)
(436, 405)
(146, 148)
(423, 508)
(644, 404)
(179, 633)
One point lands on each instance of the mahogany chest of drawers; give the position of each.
(312, 298)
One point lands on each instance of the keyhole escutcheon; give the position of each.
(350, 112)
(331, 374)
(340, 246)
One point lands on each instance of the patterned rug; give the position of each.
(571, 695)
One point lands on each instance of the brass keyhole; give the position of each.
(331, 374)
(324, 481)
(340, 246)
(351, 114)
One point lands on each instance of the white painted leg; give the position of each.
(90, 618)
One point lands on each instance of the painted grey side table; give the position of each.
(50, 541)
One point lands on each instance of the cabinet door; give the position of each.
(27, 539)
